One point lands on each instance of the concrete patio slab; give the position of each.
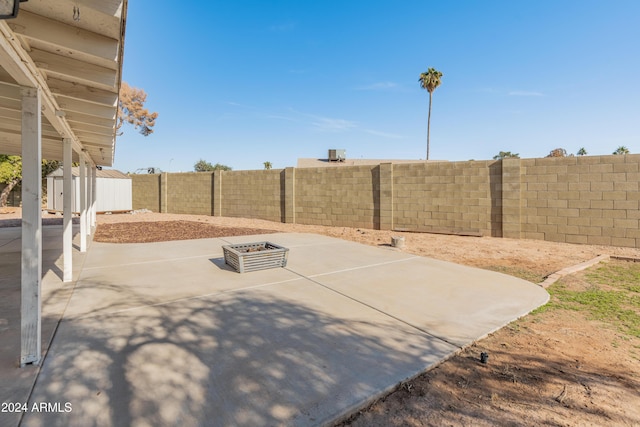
(115, 288)
(340, 256)
(16, 383)
(286, 239)
(166, 334)
(293, 353)
(103, 256)
(459, 304)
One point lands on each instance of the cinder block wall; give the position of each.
(448, 197)
(252, 194)
(343, 197)
(189, 193)
(593, 200)
(146, 192)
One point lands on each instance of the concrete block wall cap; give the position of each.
(553, 278)
(625, 258)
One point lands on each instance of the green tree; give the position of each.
(582, 152)
(621, 150)
(220, 167)
(131, 110)
(505, 155)
(204, 166)
(49, 166)
(267, 165)
(430, 80)
(11, 173)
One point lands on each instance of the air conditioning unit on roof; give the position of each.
(337, 155)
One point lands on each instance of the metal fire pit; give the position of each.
(255, 256)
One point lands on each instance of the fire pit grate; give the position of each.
(247, 257)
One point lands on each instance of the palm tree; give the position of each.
(582, 152)
(430, 80)
(621, 150)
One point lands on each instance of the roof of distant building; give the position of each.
(320, 163)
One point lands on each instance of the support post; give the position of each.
(511, 199)
(385, 195)
(164, 190)
(290, 195)
(83, 204)
(31, 281)
(217, 193)
(88, 166)
(67, 221)
(94, 196)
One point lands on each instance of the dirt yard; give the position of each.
(554, 368)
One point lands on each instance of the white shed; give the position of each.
(113, 190)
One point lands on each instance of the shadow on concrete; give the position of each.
(219, 262)
(242, 359)
(16, 382)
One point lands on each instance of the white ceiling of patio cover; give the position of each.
(74, 49)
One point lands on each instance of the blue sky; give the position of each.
(243, 82)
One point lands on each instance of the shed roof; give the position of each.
(104, 173)
(72, 50)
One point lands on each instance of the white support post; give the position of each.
(67, 222)
(83, 204)
(89, 197)
(31, 282)
(94, 201)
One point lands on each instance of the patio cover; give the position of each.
(60, 74)
(73, 51)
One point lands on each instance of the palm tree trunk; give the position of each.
(429, 125)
